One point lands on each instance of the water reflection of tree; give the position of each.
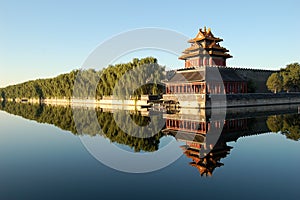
(274, 123)
(62, 117)
(116, 134)
(288, 125)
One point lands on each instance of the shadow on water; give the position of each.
(193, 127)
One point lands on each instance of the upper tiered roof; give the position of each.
(205, 43)
(205, 34)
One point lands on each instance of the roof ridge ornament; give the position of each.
(209, 30)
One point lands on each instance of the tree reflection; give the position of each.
(62, 117)
(288, 125)
(275, 123)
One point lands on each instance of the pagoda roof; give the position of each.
(188, 55)
(188, 76)
(215, 45)
(196, 46)
(227, 74)
(206, 74)
(218, 53)
(210, 53)
(205, 43)
(205, 34)
(192, 48)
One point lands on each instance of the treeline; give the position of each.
(58, 87)
(63, 117)
(287, 79)
(95, 84)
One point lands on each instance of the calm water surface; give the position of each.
(42, 157)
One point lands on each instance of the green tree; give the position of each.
(291, 77)
(62, 86)
(275, 82)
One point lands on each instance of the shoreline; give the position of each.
(210, 101)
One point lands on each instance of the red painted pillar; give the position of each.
(242, 87)
(210, 61)
(235, 88)
(228, 88)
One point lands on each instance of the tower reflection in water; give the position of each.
(194, 128)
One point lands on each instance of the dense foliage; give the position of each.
(143, 76)
(288, 79)
(94, 84)
(63, 117)
(58, 87)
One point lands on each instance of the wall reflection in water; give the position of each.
(205, 137)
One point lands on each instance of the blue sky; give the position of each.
(45, 38)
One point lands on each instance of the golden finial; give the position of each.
(208, 30)
(204, 28)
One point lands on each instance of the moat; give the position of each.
(238, 154)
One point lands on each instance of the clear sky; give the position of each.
(45, 38)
